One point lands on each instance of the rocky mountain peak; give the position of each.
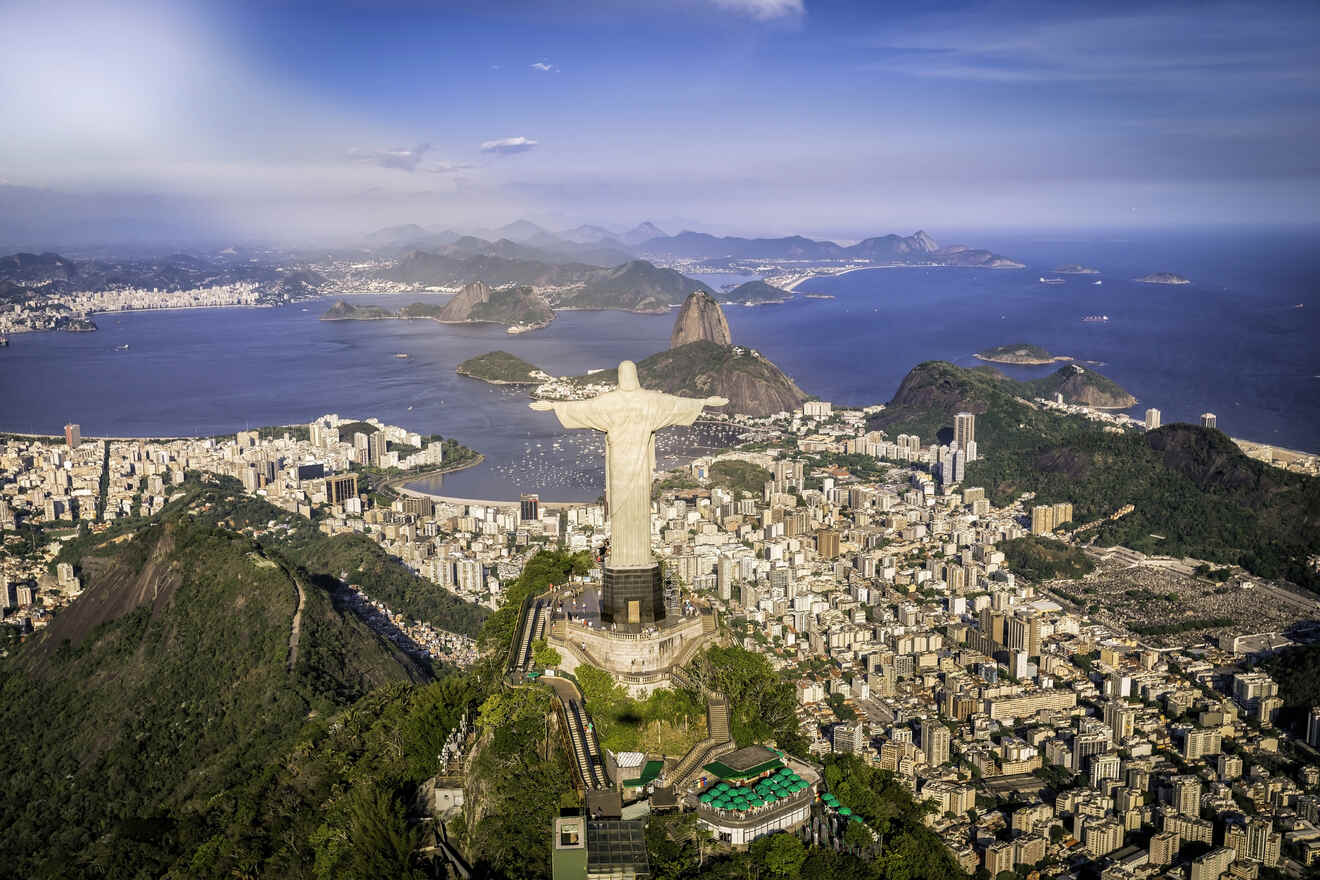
(700, 318)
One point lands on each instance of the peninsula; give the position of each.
(1019, 353)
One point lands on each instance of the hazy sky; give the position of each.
(755, 116)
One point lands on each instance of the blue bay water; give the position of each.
(1233, 342)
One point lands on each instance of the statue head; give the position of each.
(628, 377)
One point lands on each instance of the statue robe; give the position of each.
(629, 420)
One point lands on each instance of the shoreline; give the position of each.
(793, 285)
(1058, 358)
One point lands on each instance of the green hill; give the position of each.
(1083, 386)
(501, 368)
(756, 292)
(752, 384)
(1190, 485)
(636, 286)
(191, 659)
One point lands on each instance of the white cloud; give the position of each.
(764, 9)
(402, 160)
(545, 67)
(508, 145)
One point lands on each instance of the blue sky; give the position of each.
(752, 116)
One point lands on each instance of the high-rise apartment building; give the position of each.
(529, 507)
(72, 436)
(935, 742)
(1164, 848)
(827, 543)
(1042, 519)
(1152, 419)
(1313, 727)
(1185, 794)
(1212, 865)
(964, 429)
(1256, 840)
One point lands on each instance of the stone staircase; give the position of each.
(717, 717)
(717, 742)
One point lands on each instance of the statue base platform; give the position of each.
(632, 599)
(640, 661)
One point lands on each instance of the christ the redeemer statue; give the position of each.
(629, 416)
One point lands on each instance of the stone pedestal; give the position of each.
(632, 599)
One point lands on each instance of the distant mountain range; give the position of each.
(916, 248)
(598, 245)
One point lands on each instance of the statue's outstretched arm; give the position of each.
(576, 413)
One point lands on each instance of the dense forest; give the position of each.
(1038, 559)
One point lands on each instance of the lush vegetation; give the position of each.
(545, 568)
(1078, 384)
(1038, 559)
(1297, 670)
(346, 311)
(864, 467)
(699, 369)
(132, 728)
(739, 476)
(519, 790)
(327, 560)
(500, 367)
(763, 704)
(1194, 492)
(1016, 353)
(668, 722)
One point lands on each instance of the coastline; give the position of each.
(793, 285)
(1058, 358)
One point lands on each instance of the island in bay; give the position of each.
(1163, 278)
(520, 308)
(502, 368)
(1021, 353)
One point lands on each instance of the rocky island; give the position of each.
(502, 368)
(757, 293)
(1019, 353)
(1163, 278)
(519, 308)
(346, 311)
(1074, 269)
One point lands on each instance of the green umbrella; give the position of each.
(845, 811)
(857, 819)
